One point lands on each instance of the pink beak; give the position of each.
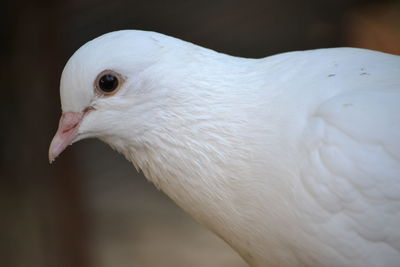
(66, 133)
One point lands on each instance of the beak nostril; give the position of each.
(72, 127)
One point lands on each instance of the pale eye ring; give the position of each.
(108, 82)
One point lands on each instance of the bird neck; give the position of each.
(204, 137)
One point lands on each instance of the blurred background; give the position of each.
(91, 208)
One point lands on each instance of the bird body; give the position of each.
(293, 159)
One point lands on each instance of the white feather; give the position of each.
(294, 159)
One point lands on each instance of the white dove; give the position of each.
(293, 159)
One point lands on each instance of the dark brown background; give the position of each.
(91, 208)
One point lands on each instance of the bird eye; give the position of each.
(108, 82)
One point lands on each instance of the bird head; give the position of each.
(105, 88)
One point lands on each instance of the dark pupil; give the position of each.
(108, 83)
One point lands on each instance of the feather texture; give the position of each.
(293, 159)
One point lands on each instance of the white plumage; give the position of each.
(293, 159)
